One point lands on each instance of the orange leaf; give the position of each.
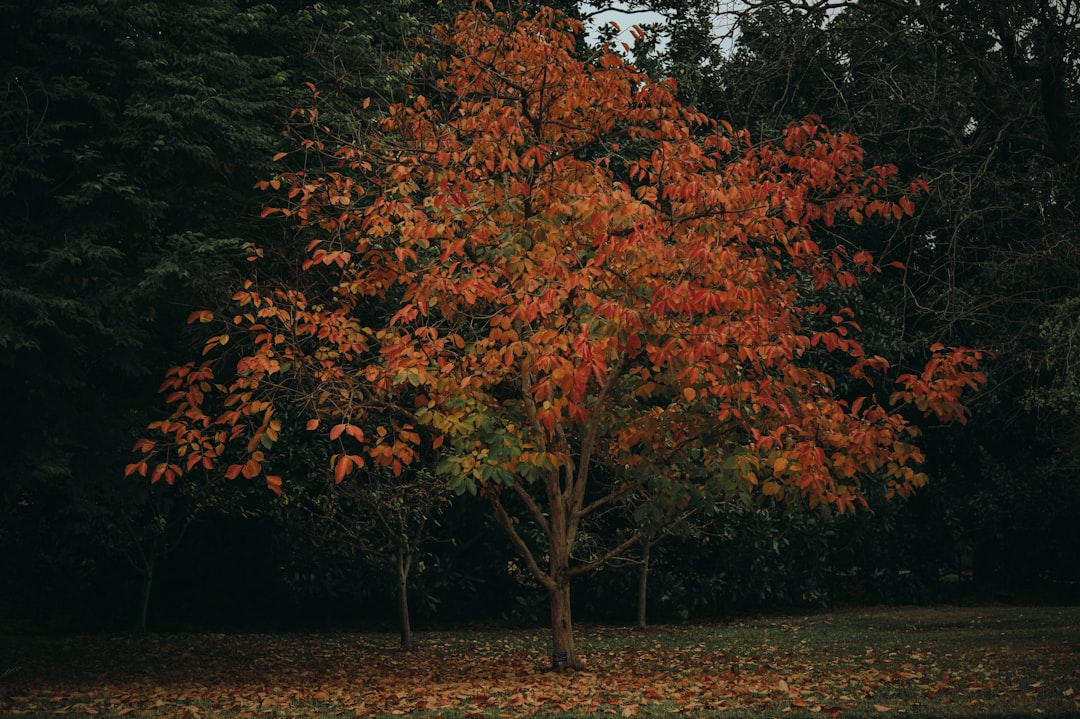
(344, 466)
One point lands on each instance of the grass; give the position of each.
(999, 662)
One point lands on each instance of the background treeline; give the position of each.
(132, 133)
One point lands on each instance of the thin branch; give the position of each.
(522, 548)
(534, 509)
(613, 552)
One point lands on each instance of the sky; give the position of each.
(624, 19)
(627, 18)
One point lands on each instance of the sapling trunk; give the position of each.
(643, 584)
(404, 562)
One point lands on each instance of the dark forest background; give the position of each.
(131, 136)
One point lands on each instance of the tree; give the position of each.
(154, 524)
(980, 100)
(680, 525)
(565, 285)
(388, 518)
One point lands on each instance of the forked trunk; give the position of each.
(563, 655)
(142, 612)
(404, 560)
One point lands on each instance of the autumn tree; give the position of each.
(552, 278)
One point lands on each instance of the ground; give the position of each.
(921, 662)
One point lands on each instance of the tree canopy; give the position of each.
(553, 279)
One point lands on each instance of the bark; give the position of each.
(563, 655)
(404, 562)
(562, 529)
(643, 584)
(142, 612)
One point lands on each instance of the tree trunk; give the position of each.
(403, 567)
(143, 610)
(643, 584)
(563, 655)
(561, 529)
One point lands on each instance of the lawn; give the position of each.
(916, 662)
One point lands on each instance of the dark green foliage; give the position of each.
(131, 135)
(980, 100)
(128, 140)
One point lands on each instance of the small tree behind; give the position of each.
(545, 266)
(387, 518)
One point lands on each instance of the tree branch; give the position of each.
(615, 551)
(534, 508)
(522, 548)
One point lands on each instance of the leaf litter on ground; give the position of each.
(918, 661)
